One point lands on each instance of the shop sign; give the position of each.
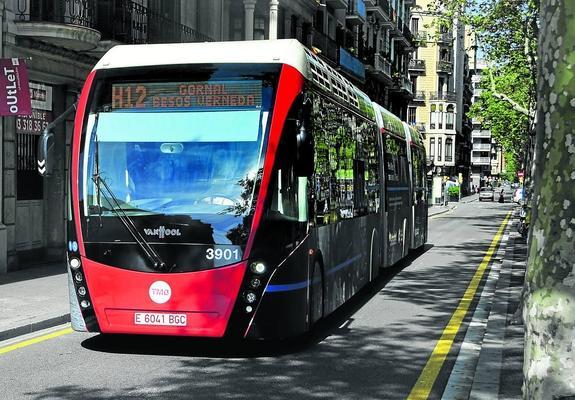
(34, 123)
(41, 96)
(14, 87)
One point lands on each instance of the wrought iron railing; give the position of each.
(445, 96)
(419, 95)
(129, 22)
(420, 35)
(444, 66)
(382, 64)
(417, 65)
(445, 37)
(407, 84)
(72, 12)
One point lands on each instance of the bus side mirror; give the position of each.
(45, 154)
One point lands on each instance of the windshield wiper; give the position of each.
(152, 255)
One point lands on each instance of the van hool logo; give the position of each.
(162, 232)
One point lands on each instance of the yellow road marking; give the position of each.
(35, 340)
(431, 370)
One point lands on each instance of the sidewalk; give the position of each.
(33, 299)
(436, 210)
(490, 360)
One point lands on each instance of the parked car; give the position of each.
(486, 193)
(518, 195)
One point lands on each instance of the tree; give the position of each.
(549, 309)
(508, 126)
(549, 295)
(506, 32)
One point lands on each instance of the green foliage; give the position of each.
(510, 167)
(509, 127)
(506, 33)
(453, 191)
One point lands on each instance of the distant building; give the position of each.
(487, 156)
(439, 69)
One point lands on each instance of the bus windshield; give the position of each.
(177, 162)
(181, 155)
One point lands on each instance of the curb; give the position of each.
(443, 211)
(34, 327)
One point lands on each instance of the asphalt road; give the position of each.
(374, 347)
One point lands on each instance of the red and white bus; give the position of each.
(234, 189)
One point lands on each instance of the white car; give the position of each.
(486, 193)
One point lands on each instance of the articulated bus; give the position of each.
(239, 189)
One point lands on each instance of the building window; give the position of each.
(432, 148)
(449, 149)
(259, 28)
(440, 117)
(449, 118)
(414, 25)
(411, 115)
(439, 148)
(433, 117)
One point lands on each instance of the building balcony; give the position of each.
(351, 64)
(126, 21)
(381, 67)
(442, 96)
(369, 3)
(481, 161)
(445, 67)
(407, 85)
(445, 38)
(420, 37)
(403, 85)
(67, 23)
(356, 12)
(419, 96)
(416, 66)
(481, 146)
(337, 4)
(328, 47)
(481, 134)
(380, 10)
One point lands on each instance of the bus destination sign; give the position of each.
(153, 95)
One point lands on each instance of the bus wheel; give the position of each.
(316, 294)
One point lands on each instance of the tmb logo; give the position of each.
(162, 232)
(160, 292)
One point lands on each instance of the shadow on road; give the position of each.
(344, 356)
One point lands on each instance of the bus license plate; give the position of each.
(161, 319)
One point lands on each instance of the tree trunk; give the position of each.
(549, 310)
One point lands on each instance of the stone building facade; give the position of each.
(439, 70)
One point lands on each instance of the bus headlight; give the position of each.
(255, 283)
(258, 267)
(250, 297)
(75, 263)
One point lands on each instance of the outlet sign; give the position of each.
(14, 87)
